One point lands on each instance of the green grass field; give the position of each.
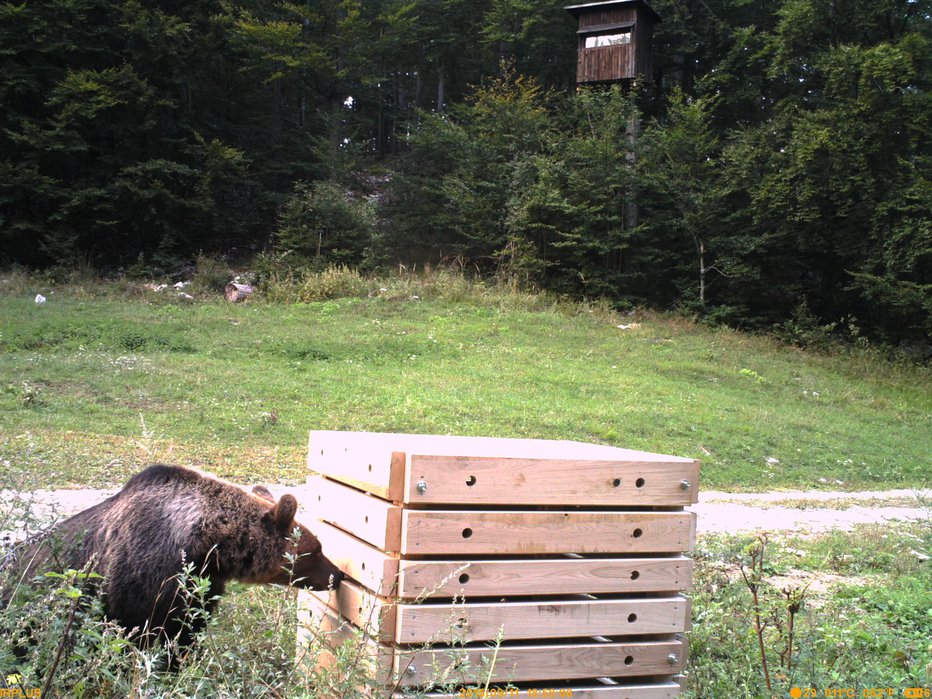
(93, 385)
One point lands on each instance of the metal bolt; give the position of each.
(672, 659)
(685, 485)
(422, 487)
(411, 670)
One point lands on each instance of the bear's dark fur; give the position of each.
(166, 516)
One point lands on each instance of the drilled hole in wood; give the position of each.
(367, 521)
(363, 566)
(632, 618)
(639, 482)
(471, 481)
(464, 578)
(616, 482)
(370, 468)
(467, 532)
(636, 533)
(635, 574)
(629, 659)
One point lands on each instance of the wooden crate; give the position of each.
(570, 554)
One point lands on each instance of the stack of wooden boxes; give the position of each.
(569, 554)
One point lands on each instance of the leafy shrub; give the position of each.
(333, 283)
(211, 275)
(322, 223)
(805, 330)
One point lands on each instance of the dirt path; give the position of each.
(812, 511)
(797, 511)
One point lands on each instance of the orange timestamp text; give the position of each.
(860, 693)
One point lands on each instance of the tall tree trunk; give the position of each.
(441, 87)
(700, 249)
(418, 83)
(401, 112)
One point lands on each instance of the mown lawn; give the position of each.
(93, 386)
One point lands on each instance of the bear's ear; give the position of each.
(263, 493)
(283, 513)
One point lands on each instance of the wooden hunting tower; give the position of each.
(615, 40)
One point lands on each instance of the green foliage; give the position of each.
(114, 148)
(450, 198)
(803, 329)
(436, 352)
(859, 602)
(325, 225)
(91, 334)
(782, 162)
(304, 287)
(780, 155)
(683, 203)
(211, 274)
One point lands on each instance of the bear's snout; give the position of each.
(336, 579)
(330, 576)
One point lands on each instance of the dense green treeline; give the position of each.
(775, 170)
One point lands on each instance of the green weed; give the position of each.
(859, 619)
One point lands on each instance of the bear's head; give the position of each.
(303, 563)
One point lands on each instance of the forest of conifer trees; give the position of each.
(779, 167)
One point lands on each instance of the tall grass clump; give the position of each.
(282, 284)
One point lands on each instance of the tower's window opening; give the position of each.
(594, 42)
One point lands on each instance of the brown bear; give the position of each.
(165, 517)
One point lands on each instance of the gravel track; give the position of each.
(784, 511)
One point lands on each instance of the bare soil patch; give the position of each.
(808, 511)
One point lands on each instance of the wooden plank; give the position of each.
(468, 622)
(464, 532)
(363, 609)
(472, 480)
(368, 517)
(658, 690)
(381, 463)
(540, 663)
(322, 627)
(506, 578)
(410, 579)
(317, 625)
(590, 17)
(465, 622)
(373, 568)
(322, 630)
(359, 459)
